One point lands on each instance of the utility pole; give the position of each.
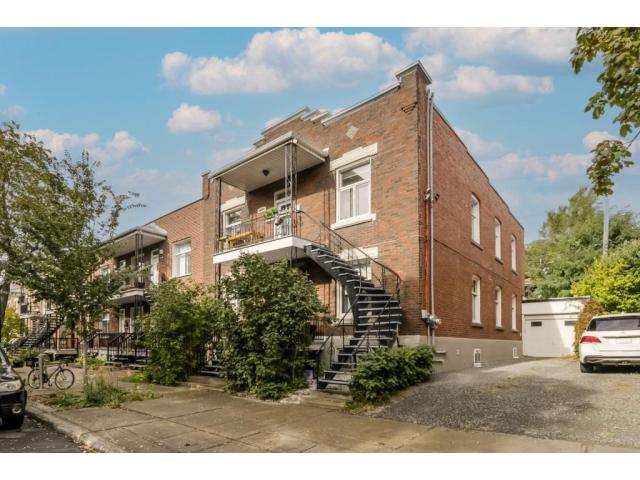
(605, 228)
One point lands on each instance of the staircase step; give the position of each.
(333, 382)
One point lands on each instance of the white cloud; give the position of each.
(123, 145)
(477, 145)
(3, 88)
(59, 143)
(13, 112)
(435, 64)
(592, 139)
(551, 167)
(542, 44)
(154, 184)
(192, 118)
(481, 81)
(274, 61)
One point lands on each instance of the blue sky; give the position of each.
(160, 106)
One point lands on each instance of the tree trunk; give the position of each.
(85, 364)
(5, 287)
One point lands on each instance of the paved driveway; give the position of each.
(547, 398)
(35, 437)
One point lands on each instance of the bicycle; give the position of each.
(62, 377)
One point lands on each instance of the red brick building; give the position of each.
(383, 206)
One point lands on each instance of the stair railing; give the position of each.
(357, 259)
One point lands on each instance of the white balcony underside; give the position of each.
(128, 296)
(273, 250)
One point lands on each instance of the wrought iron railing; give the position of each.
(256, 230)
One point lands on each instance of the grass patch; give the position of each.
(135, 377)
(93, 363)
(99, 393)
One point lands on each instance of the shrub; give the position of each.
(384, 371)
(93, 363)
(614, 280)
(180, 324)
(264, 339)
(591, 309)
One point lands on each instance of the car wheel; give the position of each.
(586, 368)
(13, 422)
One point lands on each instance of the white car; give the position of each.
(610, 340)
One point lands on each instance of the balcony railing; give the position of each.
(258, 230)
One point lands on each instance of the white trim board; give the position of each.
(353, 156)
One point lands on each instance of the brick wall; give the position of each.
(456, 177)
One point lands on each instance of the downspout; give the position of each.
(431, 204)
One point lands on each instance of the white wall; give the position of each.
(548, 326)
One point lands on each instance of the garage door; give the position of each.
(549, 337)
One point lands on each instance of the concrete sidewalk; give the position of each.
(206, 420)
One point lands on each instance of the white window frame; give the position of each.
(476, 304)
(498, 238)
(514, 318)
(105, 321)
(226, 225)
(355, 219)
(498, 301)
(475, 219)
(175, 260)
(514, 254)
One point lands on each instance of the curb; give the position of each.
(77, 433)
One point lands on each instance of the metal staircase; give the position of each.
(374, 315)
(43, 329)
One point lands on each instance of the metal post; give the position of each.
(42, 364)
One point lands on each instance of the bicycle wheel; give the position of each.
(64, 379)
(33, 379)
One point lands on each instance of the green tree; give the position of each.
(67, 224)
(14, 327)
(591, 309)
(614, 280)
(181, 322)
(619, 51)
(264, 344)
(24, 163)
(571, 239)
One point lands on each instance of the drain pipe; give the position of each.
(432, 320)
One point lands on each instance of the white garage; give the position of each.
(549, 326)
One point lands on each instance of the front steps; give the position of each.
(377, 316)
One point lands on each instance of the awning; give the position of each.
(265, 164)
(149, 235)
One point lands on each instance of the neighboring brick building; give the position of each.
(354, 188)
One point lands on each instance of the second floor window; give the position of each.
(354, 191)
(498, 239)
(182, 258)
(514, 318)
(475, 301)
(475, 219)
(231, 222)
(513, 254)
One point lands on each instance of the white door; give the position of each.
(282, 226)
(123, 321)
(548, 337)
(154, 267)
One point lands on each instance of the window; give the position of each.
(513, 253)
(182, 258)
(569, 323)
(105, 323)
(475, 219)
(514, 323)
(498, 307)
(354, 191)
(231, 221)
(498, 239)
(475, 301)
(536, 324)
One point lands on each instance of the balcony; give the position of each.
(277, 237)
(133, 291)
